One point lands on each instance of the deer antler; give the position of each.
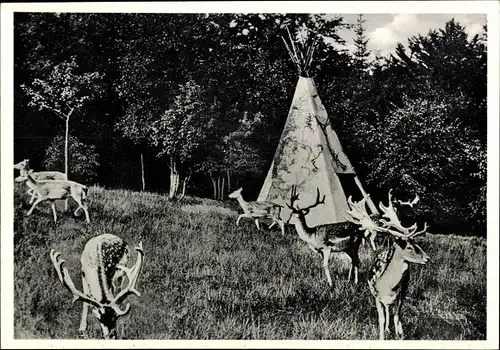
(132, 275)
(293, 198)
(66, 280)
(410, 203)
(359, 215)
(390, 213)
(316, 203)
(422, 231)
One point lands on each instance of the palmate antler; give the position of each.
(132, 275)
(394, 222)
(66, 280)
(358, 214)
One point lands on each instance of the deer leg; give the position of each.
(33, 194)
(282, 225)
(85, 310)
(37, 201)
(326, 258)
(381, 319)
(355, 264)
(272, 224)
(66, 205)
(53, 205)
(83, 206)
(387, 317)
(398, 327)
(239, 218)
(257, 224)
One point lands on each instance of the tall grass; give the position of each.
(205, 278)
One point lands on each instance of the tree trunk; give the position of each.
(214, 184)
(218, 187)
(174, 178)
(66, 146)
(142, 173)
(222, 188)
(66, 140)
(184, 185)
(228, 182)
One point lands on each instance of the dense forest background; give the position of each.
(200, 101)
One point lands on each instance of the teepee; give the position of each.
(309, 154)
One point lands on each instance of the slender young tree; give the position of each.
(64, 91)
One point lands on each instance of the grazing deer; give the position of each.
(390, 275)
(339, 237)
(39, 176)
(259, 210)
(52, 190)
(104, 261)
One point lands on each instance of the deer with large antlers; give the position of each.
(390, 275)
(324, 239)
(104, 261)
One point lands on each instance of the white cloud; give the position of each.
(384, 37)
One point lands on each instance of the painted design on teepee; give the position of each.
(296, 158)
(333, 153)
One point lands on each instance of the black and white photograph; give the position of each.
(208, 172)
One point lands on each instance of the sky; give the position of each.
(384, 31)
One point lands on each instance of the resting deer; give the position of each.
(52, 190)
(39, 175)
(339, 237)
(390, 275)
(259, 210)
(104, 261)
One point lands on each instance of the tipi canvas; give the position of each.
(309, 156)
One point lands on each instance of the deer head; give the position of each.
(25, 164)
(300, 213)
(411, 251)
(236, 193)
(107, 312)
(24, 175)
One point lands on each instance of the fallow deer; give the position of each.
(39, 176)
(259, 210)
(390, 274)
(324, 239)
(103, 261)
(52, 190)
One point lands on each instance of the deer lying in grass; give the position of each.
(39, 176)
(339, 237)
(259, 210)
(103, 261)
(52, 190)
(390, 275)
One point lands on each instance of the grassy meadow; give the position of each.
(205, 278)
